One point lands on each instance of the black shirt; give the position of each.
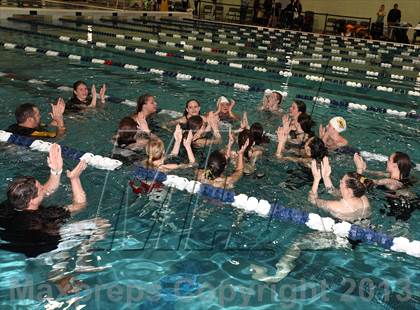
(75, 105)
(394, 16)
(40, 131)
(31, 232)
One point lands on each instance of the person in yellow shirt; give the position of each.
(28, 121)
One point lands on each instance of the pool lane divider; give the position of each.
(181, 76)
(263, 49)
(265, 37)
(277, 211)
(284, 73)
(97, 161)
(316, 57)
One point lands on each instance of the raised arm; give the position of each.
(178, 139)
(55, 162)
(94, 96)
(237, 174)
(56, 114)
(361, 167)
(79, 196)
(102, 94)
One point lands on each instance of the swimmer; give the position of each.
(200, 136)
(397, 174)
(272, 102)
(155, 151)
(224, 110)
(192, 108)
(251, 154)
(300, 129)
(146, 107)
(314, 147)
(297, 108)
(81, 100)
(128, 141)
(216, 164)
(28, 121)
(331, 133)
(28, 226)
(353, 205)
(401, 201)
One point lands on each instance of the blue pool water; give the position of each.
(179, 250)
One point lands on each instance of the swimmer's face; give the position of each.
(150, 106)
(81, 92)
(224, 107)
(193, 108)
(36, 117)
(307, 147)
(390, 164)
(294, 112)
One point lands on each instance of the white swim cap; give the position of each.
(338, 123)
(223, 99)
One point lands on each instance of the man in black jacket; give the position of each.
(394, 17)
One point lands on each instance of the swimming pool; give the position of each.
(185, 250)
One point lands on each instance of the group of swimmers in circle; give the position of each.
(137, 135)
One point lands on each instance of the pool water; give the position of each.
(179, 250)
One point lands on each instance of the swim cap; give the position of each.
(223, 99)
(338, 123)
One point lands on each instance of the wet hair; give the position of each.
(142, 101)
(127, 129)
(358, 183)
(243, 136)
(257, 131)
(186, 106)
(306, 123)
(154, 149)
(215, 165)
(194, 123)
(318, 149)
(279, 97)
(21, 191)
(301, 106)
(404, 164)
(24, 111)
(77, 84)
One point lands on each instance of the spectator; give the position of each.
(256, 10)
(380, 14)
(243, 10)
(394, 17)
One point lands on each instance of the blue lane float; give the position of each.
(96, 161)
(279, 212)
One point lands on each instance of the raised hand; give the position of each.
(77, 171)
(57, 110)
(243, 148)
(142, 123)
(232, 104)
(231, 137)
(178, 133)
(359, 162)
(55, 160)
(316, 172)
(244, 121)
(325, 167)
(93, 91)
(102, 93)
(188, 140)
